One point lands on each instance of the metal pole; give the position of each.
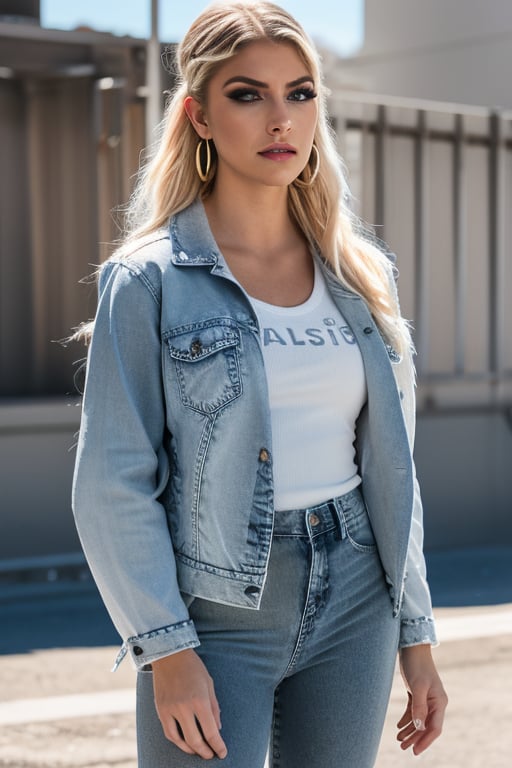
(380, 171)
(421, 310)
(153, 77)
(459, 245)
(497, 214)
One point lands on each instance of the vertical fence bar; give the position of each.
(421, 292)
(496, 246)
(380, 170)
(459, 244)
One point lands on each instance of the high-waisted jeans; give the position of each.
(308, 676)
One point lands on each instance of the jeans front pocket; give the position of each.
(206, 360)
(357, 524)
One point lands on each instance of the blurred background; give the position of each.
(421, 101)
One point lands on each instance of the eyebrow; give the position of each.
(259, 84)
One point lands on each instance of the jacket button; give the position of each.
(313, 519)
(368, 330)
(264, 456)
(252, 590)
(196, 347)
(137, 650)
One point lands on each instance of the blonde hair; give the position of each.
(169, 181)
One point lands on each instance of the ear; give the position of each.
(197, 117)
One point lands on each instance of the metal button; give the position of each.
(313, 519)
(264, 456)
(368, 330)
(137, 650)
(196, 347)
(252, 589)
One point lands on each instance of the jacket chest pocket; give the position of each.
(206, 360)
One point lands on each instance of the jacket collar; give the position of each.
(191, 237)
(193, 245)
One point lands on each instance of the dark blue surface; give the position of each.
(470, 576)
(67, 615)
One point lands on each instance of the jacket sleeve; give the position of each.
(416, 620)
(121, 470)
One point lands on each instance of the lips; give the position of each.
(278, 152)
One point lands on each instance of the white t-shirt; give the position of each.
(317, 388)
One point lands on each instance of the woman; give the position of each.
(244, 487)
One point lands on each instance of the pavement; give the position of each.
(61, 707)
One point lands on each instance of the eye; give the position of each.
(244, 94)
(302, 94)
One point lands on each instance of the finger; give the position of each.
(210, 730)
(194, 737)
(406, 717)
(406, 732)
(174, 733)
(419, 706)
(215, 706)
(433, 731)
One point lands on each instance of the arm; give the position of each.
(423, 717)
(121, 470)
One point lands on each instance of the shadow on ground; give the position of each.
(72, 615)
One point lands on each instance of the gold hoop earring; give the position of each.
(300, 182)
(203, 175)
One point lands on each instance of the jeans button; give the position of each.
(263, 455)
(313, 519)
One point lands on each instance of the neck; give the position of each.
(252, 220)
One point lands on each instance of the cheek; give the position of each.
(231, 134)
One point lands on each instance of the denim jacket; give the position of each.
(173, 488)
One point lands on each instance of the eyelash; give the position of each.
(240, 94)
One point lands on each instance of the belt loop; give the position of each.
(338, 519)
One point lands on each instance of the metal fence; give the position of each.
(435, 180)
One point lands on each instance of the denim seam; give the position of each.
(417, 622)
(141, 277)
(275, 755)
(301, 635)
(198, 477)
(166, 630)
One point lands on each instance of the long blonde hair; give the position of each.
(169, 182)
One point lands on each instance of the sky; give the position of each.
(338, 24)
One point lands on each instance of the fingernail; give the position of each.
(419, 724)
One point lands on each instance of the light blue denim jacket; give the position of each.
(173, 490)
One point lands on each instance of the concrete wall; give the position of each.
(464, 463)
(451, 50)
(36, 463)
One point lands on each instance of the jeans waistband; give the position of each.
(320, 518)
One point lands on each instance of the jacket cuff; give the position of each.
(420, 631)
(158, 643)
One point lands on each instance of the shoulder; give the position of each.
(144, 259)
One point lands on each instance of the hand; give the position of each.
(422, 721)
(186, 704)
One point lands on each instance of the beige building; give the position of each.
(446, 50)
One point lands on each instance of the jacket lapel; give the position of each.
(382, 444)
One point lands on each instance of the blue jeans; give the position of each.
(308, 676)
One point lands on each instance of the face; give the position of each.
(261, 113)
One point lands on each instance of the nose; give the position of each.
(279, 122)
